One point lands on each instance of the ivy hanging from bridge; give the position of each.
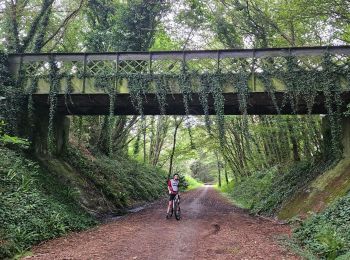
(299, 78)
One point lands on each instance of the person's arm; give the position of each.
(170, 188)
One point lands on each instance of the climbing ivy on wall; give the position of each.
(4, 78)
(331, 88)
(11, 98)
(204, 92)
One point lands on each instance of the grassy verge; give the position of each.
(192, 183)
(29, 213)
(44, 199)
(226, 190)
(325, 235)
(248, 191)
(123, 181)
(266, 191)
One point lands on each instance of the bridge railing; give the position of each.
(87, 72)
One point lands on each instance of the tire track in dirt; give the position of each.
(210, 228)
(186, 235)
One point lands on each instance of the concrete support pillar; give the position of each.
(41, 130)
(345, 136)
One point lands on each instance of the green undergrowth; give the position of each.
(225, 187)
(327, 234)
(324, 235)
(123, 181)
(192, 183)
(332, 184)
(30, 212)
(266, 191)
(293, 246)
(248, 191)
(44, 198)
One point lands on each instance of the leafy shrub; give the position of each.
(12, 141)
(327, 234)
(344, 257)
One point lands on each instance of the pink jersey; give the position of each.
(173, 185)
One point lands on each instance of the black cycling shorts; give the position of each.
(171, 197)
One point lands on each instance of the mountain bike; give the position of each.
(176, 207)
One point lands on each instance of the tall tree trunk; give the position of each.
(293, 140)
(162, 130)
(219, 166)
(151, 140)
(143, 125)
(102, 143)
(177, 125)
(226, 176)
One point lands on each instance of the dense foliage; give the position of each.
(42, 201)
(327, 234)
(122, 180)
(264, 192)
(34, 205)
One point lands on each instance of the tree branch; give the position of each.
(15, 25)
(33, 29)
(65, 22)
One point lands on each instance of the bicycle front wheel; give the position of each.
(177, 211)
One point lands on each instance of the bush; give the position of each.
(284, 184)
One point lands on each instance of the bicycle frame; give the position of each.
(177, 198)
(176, 207)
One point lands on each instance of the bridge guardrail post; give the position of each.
(117, 63)
(84, 73)
(253, 71)
(218, 61)
(150, 63)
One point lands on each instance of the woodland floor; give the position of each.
(210, 228)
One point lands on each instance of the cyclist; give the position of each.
(173, 188)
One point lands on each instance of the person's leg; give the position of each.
(169, 206)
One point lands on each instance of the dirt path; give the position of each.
(211, 228)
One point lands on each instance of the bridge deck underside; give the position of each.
(258, 103)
